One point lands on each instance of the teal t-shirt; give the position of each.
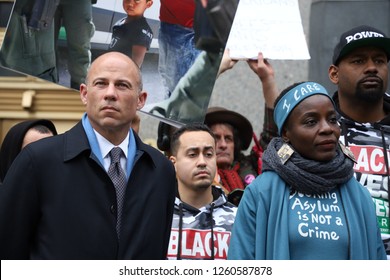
(317, 227)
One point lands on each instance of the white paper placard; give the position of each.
(273, 27)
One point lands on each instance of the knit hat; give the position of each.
(359, 37)
(221, 115)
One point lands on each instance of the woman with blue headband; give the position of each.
(306, 204)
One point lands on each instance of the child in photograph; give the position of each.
(132, 35)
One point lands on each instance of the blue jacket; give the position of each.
(260, 229)
(57, 202)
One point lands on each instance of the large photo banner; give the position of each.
(180, 62)
(57, 40)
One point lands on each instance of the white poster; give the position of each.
(273, 27)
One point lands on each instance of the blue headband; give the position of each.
(292, 98)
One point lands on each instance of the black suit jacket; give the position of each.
(58, 202)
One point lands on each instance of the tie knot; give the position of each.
(115, 154)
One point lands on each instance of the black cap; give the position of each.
(359, 37)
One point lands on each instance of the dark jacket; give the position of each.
(57, 202)
(370, 144)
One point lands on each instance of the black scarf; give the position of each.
(308, 176)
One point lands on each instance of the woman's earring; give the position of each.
(285, 152)
(346, 151)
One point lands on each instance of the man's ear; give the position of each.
(333, 74)
(172, 159)
(149, 3)
(83, 93)
(141, 99)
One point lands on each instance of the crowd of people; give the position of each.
(314, 185)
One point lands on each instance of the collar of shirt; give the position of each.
(106, 146)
